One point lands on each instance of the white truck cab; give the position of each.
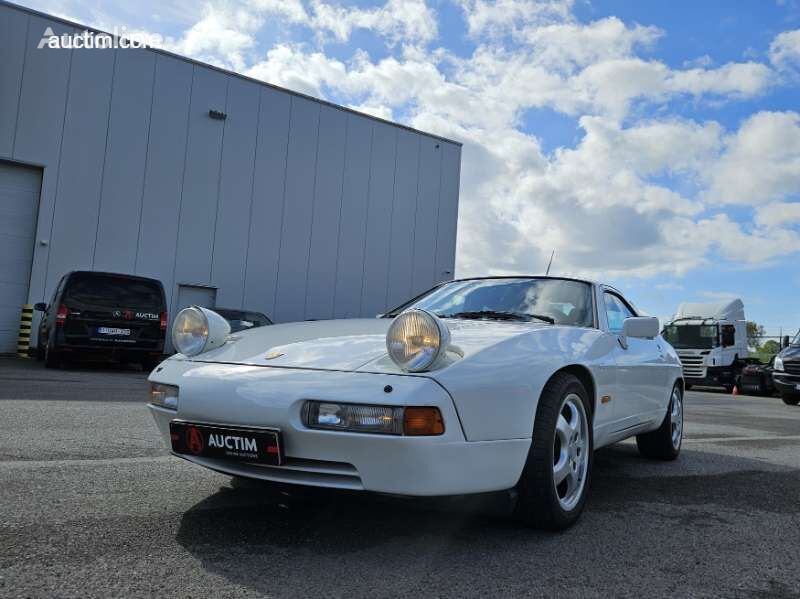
(710, 340)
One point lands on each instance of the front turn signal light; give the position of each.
(422, 421)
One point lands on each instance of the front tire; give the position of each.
(665, 442)
(790, 399)
(552, 490)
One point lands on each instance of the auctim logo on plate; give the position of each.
(231, 442)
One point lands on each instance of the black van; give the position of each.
(103, 315)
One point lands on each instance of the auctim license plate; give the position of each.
(261, 445)
(113, 331)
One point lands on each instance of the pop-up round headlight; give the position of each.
(416, 340)
(197, 329)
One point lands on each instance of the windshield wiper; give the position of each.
(498, 315)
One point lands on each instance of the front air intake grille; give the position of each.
(791, 367)
(693, 367)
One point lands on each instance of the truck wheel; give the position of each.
(665, 442)
(790, 399)
(552, 489)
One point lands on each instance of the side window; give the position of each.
(616, 312)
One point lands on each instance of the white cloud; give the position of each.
(784, 51)
(761, 161)
(778, 214)
(504, 17)
(397, 20)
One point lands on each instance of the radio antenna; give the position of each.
(549, 264)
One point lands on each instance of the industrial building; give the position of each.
(234, 193)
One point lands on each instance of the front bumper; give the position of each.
(786, 383)
(714, 376)
(447, 464)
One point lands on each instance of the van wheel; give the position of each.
(790, 399)
(552, 490)
(52, 358)
(665, 442)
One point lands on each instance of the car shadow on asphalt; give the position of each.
(293, 542)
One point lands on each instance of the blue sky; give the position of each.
(655, 145)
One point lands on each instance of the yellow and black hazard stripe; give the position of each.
(25, 324)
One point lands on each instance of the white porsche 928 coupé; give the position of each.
(477, 385)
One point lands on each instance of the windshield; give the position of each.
(691, 336)
(796, 340)
(563, 302)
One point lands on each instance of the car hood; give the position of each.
(346, 345)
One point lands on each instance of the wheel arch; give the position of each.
(584, 375)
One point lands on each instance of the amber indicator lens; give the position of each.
(423, 421)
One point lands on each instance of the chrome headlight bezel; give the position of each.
(197, 330)
(423, 330)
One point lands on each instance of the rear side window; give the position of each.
(114, 292)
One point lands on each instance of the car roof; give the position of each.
(113, 274)
(557, 278)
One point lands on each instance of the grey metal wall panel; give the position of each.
(327, 207)
(123, 173)
(264, 234)
(401, 251)
(81, 166)
(42, 96)
(448, 213)
(297, 210)
(13, 29)
(235, 193)
(430, 169)
(19, 201)
(163, 181)
(379, 219)
(40, 123)
(201, 178)
(353, 221)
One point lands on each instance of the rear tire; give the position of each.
(552, 490)
(790, 399)
(665, 442)
(52, 358)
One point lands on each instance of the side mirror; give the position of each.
(40, 307)
(640, 327)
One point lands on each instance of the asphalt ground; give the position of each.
(91, 505)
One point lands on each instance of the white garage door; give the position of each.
(19, 204)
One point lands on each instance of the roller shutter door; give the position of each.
(19, 204)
